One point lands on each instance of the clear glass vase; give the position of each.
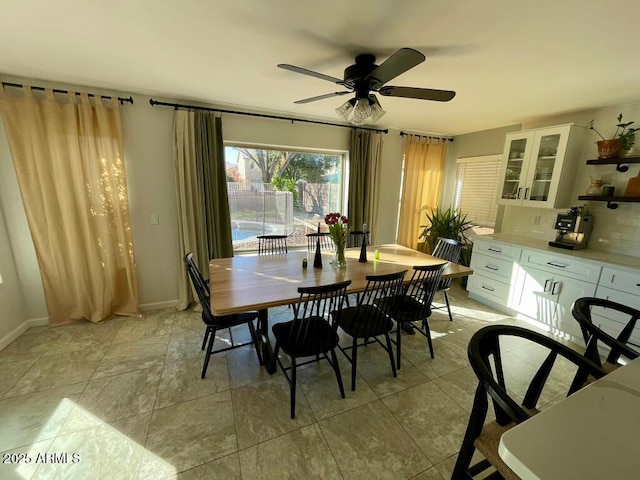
(339, 260)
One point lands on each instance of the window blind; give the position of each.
(477, 188)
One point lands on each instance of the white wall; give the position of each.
(147, 133)
(12, 314)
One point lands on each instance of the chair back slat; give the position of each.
(450, 250)
(356, 238)
(198, 282)
(381, 290)
(316, 302)
(325, 241)
(484, 349)
(618, 347)
(272, 244)
(422, 288)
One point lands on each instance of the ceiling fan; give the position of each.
(365, 77)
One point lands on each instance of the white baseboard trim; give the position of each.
(20, 329)
(145, 307)
(36, 322)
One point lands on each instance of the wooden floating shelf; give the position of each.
(612, 202)
(619, 162)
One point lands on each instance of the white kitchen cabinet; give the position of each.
(493, 265)
(621, 286)
(538, 166)
(547, 285)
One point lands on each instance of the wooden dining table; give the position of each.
(258, 282)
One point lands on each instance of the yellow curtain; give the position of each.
(70, 169)
(421, 186)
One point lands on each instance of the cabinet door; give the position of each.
(517, 151)
(565, 291)
(545, 166)
(533, 295)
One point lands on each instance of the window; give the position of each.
(477, 188)
(276, 191)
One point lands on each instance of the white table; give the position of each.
(593, 434)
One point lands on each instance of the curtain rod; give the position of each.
(56, 90)
(261, 115)
(402, 134)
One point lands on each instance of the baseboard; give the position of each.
(145, 307)
(20, 329)
(36, 322)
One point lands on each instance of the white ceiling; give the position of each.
(507, 60)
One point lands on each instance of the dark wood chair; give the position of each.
(366, 321)
(449, 250)
(272, 244)
(325, 241)
(415, 304)
(356, 238)
(599, 342)
(487, 362)
(311, 333)
(214, 323)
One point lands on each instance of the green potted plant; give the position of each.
(449, 223)
(623, 139)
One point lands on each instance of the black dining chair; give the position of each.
(272, 244)
(515, 397)
(450, 250)
(215, 323)
(325, 241)
(615, 350)
(311, 333)
(415, 305)
(366, 321)
(356, 238)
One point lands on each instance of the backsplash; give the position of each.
(616, 231)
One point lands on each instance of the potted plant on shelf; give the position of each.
(623, 139)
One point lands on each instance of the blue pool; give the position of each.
(240, 234)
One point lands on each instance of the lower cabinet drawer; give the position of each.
(496, 249)
(491, 267)
(623, 280)
(564, 265)
(489, 288)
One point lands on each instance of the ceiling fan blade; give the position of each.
(419, 93)
(311, 73)
(398, 63)
(322, 97)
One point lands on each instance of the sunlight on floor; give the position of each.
(86, 447)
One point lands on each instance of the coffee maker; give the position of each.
(573, 230)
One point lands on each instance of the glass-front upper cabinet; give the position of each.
(533, 165)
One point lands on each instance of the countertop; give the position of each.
(598, 256)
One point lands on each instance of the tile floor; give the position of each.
(124, 400)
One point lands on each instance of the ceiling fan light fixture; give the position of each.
(376, 109)
(345, 109)
(361, 112)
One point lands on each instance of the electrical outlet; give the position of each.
(155, 219)
(536, 219)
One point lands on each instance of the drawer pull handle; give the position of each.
(637, 284)
(487, 288)
(546, 285)
(556, 288)
(489, 267)
(554, 264)
(526, 193)
(495, 250)
(518, 195)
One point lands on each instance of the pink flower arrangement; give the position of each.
(338, 228)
